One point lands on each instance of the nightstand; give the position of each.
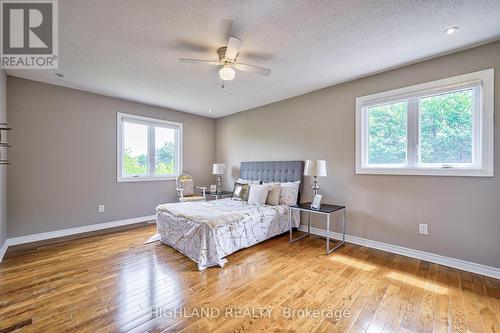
(220, 195)
(325, 209)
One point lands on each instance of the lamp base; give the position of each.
(315, 186)
(219, 185)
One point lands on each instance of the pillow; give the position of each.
(273, 197)
(240, 191)
(289, 193)
(258, 194)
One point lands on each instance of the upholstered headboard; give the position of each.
(273, 171)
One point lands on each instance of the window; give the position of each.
(148, 149)
(443, 127)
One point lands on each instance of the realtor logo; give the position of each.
(29, 34)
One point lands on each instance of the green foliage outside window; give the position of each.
(138, 165)
(165, 159)
(446, 128)
(387, 134)
(134, 165)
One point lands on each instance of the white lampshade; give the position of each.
(219, 169)
(316, 168)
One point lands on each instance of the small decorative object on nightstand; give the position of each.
(219, 169)
(316, 204)
(315, 168)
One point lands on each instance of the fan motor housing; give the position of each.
(221, 52)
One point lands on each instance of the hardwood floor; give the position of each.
(108, 283)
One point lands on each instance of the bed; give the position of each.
(208, 231)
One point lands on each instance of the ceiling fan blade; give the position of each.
(199, 61)
(233, 46)
(253, 69)
(225, 29)
(259, 56)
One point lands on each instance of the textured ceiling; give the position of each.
(130, 49)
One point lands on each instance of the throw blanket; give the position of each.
(213, 213)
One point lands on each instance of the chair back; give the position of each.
(185, 182)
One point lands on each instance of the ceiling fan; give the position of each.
(227, 59)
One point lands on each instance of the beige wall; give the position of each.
(3, 168)
(64, 158)
(463, 213)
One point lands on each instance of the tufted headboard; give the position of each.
(273, 171)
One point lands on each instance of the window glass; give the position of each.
(148, 148)
(135, 149)
(387, 133)
(446, 128)
(165, 151)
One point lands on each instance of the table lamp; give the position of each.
(219, 169)
(315, 168)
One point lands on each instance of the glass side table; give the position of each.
(325, 210)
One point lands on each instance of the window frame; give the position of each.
(483, 127)
(151, 123)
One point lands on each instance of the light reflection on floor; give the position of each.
(356, 263)
(147, 284)
(401, 277)
(417, 282)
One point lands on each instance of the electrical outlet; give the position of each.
(423, 229)
(100, 209)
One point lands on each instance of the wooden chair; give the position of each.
(185, 189)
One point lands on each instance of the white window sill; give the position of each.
(456, 172)
(145, 179)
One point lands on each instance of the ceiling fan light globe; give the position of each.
(226, 73)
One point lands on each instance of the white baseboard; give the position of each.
(426, 256)
(74, 231)
(3, 249)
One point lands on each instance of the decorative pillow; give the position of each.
(240, 191)
(289, 193)
(258, 194)
(273, 197)
(187, 185)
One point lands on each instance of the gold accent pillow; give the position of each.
(273, 197)
(240, 191)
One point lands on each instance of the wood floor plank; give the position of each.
(471, 306)
(116, 283)
(457, 311)
(489, 318)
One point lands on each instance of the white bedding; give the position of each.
(208, 231)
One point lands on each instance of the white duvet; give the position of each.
(208, 231)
